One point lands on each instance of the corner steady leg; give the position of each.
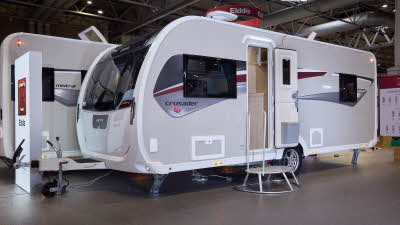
(245, 179)
(158, 180)
(356, 152)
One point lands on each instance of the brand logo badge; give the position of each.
(22, 97)
(177, 109)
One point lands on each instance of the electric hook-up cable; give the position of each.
(76, 186)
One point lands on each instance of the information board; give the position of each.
(389, 102)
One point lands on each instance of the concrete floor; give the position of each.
(333, 192)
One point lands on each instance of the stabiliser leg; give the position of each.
(356, 152)
(245, 179)
(158, 181)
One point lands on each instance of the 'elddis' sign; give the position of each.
(240, 10)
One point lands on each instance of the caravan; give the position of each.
(65, 63)
(205, 93)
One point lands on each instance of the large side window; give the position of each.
(207, 77)
(347, 88)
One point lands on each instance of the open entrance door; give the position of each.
(257, 87)
(286, 111)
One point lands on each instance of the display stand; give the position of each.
(28, 116)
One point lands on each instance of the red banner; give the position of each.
(242, 10)
(390, 81)
(239, 10)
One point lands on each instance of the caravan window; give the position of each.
(286, 71)
(347, 88)
(207, 77)
(113, 79)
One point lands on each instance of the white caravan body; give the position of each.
(143, 109)
(65, 62)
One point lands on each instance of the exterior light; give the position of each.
(19, 43)
(89, 2)
(100, 11)
(384, 6)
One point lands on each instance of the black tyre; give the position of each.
(293, 157)
(46, 189)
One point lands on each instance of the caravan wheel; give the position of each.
(293, 157)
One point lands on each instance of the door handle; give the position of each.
(295, 95)
(133, 106)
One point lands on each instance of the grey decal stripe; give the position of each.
(331, 97)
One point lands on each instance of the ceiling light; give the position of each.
(384, 6)
(89, 2)
(100, 11)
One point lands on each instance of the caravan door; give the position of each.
(286, 111)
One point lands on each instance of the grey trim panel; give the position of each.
(171, 74)
(66, 97)
(175, 105)
(290, 133)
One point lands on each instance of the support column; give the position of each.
(47, 29)
(39, 28)
(32, 27)
(396, 69)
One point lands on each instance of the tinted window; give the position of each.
(348, 88)
(209, 77)
(113, 79)
(47, 84)
(286, 71)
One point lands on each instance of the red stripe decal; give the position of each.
(302, 75)
(179, 88)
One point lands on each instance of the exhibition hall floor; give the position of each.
(333, 192)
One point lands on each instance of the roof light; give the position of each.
(100, 11)
(89, 2)
(385, 6)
